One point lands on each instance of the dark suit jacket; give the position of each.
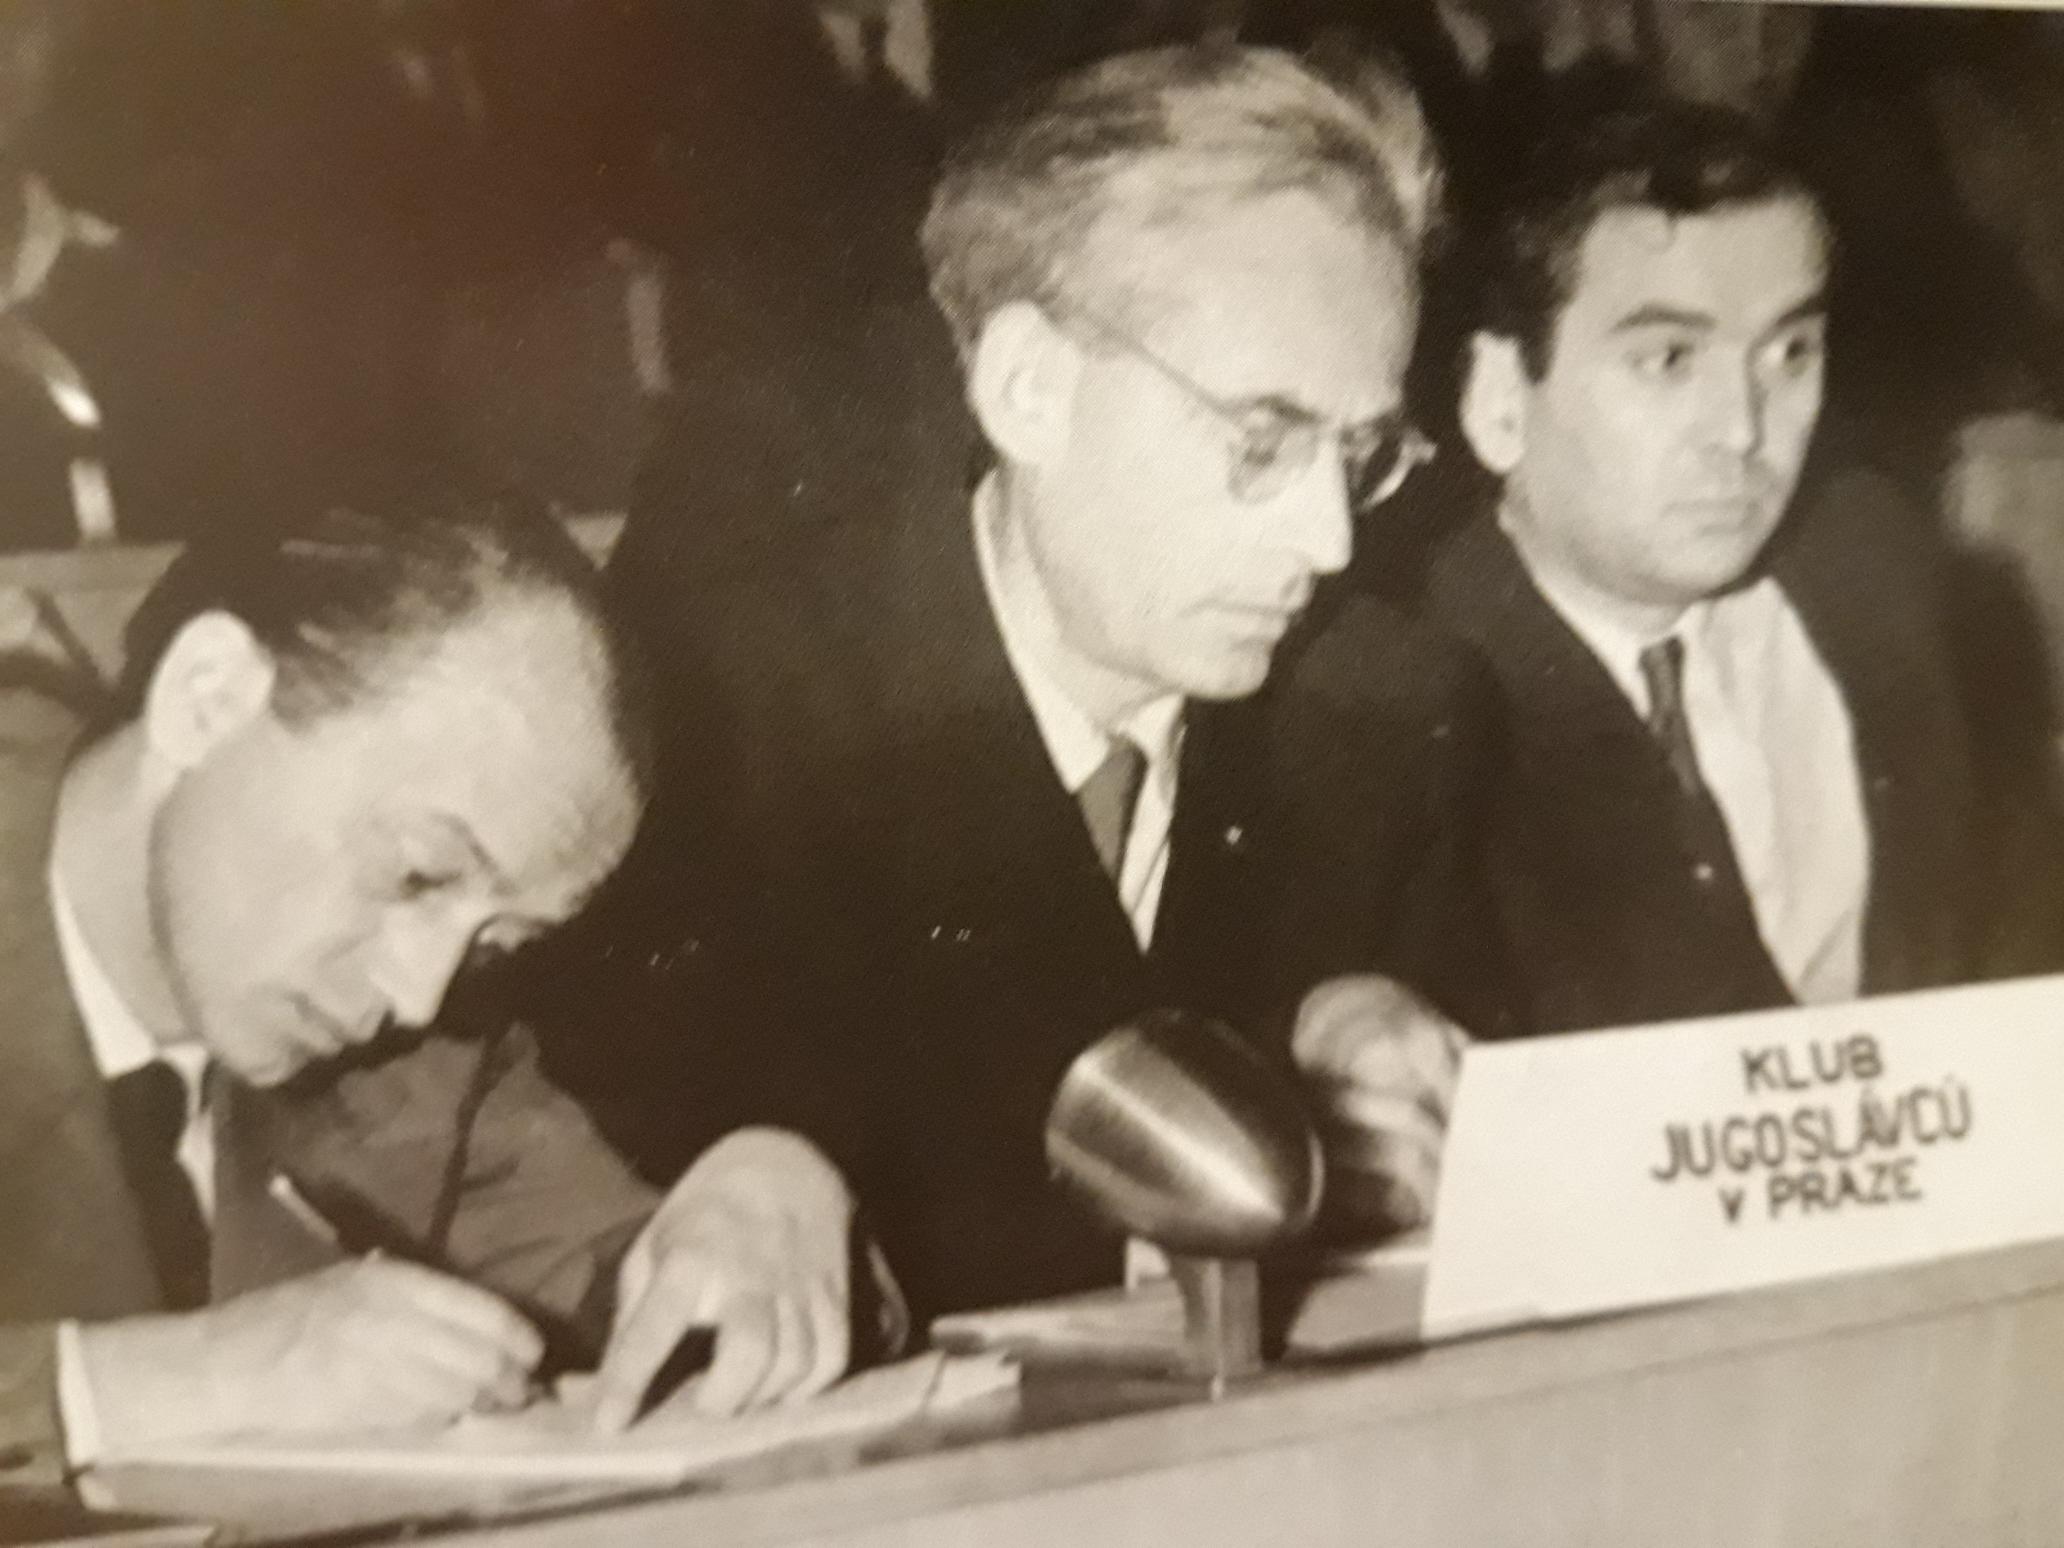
(1603, 921)
(869, 899)
(539, 1210)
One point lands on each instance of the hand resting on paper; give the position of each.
(752, 1243)
(1381, 1064)
(368, 1343)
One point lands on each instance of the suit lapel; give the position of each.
(1605, 919)
(1584, 758)
(1219, 846)
(75, 1245)
(257, 1240)
(1004, 870)
(1005, 950)
(1562, 698)
(1912, 780)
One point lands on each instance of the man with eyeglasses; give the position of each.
(1734, 770)
(991, 771)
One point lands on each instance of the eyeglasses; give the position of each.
(1274, 440)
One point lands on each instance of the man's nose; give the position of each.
(1734, 411)
(1321, 525)
(418, 961)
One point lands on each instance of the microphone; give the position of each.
(1174, 1129)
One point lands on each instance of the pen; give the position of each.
(690, 1357)
(305, 1214)
(342, 1225)
(350, 1239)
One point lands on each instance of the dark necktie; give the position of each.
(1108, 799)
(1702, 823)
(148, 1107)
(1708, 846)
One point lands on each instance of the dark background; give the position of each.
(364, 236)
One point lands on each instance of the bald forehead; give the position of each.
(504, 726)
(532, 656)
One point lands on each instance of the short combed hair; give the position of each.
(1610, 147)
(344, 602)
(1149, 140)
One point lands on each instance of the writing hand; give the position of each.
(362, 1345)
(752, 1242)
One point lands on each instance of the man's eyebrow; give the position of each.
(1660, 315)
(1813, 306)
(1281, 405)
(1657, 315)
(462, 832)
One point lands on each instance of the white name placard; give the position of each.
(1608, 1170)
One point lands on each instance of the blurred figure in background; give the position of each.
(53, 482)
(241, 320)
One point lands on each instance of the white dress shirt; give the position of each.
(1078, 746)
(1775, 746)
(119, 1045)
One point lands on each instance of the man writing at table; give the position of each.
(1003, 771)
(349, 763)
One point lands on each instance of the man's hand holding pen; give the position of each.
(369, 1343)
(750, 1249)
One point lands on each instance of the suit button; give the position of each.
(1704, 874)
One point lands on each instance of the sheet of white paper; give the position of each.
(1608, 1170)
(552, 1441)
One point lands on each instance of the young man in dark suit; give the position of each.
(344, 766)
(1733, 769)
(989, 764)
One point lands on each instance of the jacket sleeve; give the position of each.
(460, 1151)
(545, 1209)
(1379, 742)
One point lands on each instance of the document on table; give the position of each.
(552, 1441)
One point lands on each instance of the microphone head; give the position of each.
(1172, 1128)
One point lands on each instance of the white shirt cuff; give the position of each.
(75, 1409)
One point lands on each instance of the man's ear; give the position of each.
(1021, 383)
(213, 680)
(1495, 394)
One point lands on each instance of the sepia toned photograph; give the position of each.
(1025, 772)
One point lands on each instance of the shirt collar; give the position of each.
(1617, 646)
(1075, 743)
(118, 1041)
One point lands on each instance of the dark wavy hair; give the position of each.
(343, 599)
(1608, 142)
